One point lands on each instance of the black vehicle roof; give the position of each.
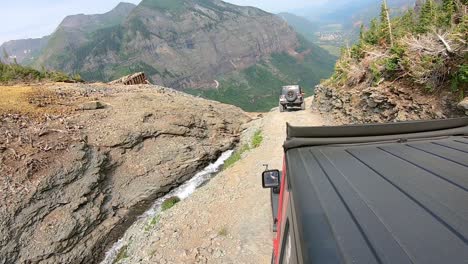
(400, 198)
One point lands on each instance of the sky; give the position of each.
(22, 19)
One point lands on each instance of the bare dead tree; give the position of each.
(388, 22)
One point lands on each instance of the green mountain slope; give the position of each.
(301, 25)
(257, 87)
(74, 32)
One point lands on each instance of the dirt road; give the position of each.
(229, 219)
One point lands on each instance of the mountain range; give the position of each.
(237, 55)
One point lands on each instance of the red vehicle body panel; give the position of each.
(283, 202)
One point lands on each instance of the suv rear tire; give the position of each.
(303, 106)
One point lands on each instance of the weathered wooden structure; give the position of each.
(133, 79)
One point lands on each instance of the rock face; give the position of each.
(182, 43)
(72, 183)
(385, 103)
(24, 50)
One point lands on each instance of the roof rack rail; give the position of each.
(349, 134)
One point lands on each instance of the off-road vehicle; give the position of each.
(385, 193)
(291, 96)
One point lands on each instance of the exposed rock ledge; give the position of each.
(69, 186)
(385, 103)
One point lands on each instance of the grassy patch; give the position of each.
(257, 139)
(223, 232)
(169, 203)
(123, 254)
(236, 156)
(152, 223)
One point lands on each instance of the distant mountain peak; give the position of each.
(123, 6)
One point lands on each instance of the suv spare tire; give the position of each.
(291, 96)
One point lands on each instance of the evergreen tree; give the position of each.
(448, 8)
(407, 23)
(371, 35)
(426, 17)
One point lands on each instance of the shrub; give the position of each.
(257, 139)
(17, 73)
(391, 64)
(236, 156)
(376, 74)
(169, 203)
(152, 223)
(223, 232)
(460, 80)
(123, 254)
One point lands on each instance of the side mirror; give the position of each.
(271, 179)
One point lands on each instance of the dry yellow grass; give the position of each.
(33, 101)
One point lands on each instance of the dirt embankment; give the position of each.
(229, 220)
(80, 162)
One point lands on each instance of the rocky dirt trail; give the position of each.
(229, 219)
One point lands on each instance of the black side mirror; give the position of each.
(271, 179)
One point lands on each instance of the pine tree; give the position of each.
(448, 7)
(408, 21)
(426, 17)
(371, 35)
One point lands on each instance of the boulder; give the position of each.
(463, 105)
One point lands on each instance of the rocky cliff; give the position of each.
(177, 43)
(79, 163)
(25, 51)
(383, 104)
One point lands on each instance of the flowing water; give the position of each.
(183, 191)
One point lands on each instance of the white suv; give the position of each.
(291, 96)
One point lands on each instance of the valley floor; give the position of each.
(229, 219)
